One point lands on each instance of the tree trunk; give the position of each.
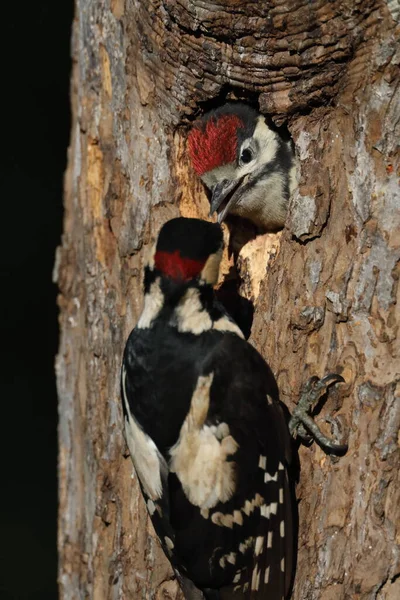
(329, 282)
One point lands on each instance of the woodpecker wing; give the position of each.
(213, 463)
(244, 395)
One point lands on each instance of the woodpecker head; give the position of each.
(247, 166)
(189, 249)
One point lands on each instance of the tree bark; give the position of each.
(325, 290)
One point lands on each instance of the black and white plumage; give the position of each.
(248, 167)
(205, 428)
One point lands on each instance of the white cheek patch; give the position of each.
(199, 458)
(191, 317)
(149, 254)
(210, 271)
(153, 303)
(267, 142)
(144, 453)
(264, 202)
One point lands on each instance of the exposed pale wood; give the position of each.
(329, 295)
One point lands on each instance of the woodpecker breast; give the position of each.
(206, 432)
(247, 166)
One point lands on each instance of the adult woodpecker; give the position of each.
(205, 428)
(247, 166)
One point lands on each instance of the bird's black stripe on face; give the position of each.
(281, 163)
(149, 278)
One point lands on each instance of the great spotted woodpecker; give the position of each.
(247, 166)
(205, 428)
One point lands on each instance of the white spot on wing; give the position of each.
(282, 528)
(262, 463)
(280, 495)
(266, 576)
(259, 545)
(218, 518)
(283, 565)
(273, 508)
(255, 579)
(268, 477)
(237, 517)
(269, 541)
(248, 508)
(228, 519)
(244, 546)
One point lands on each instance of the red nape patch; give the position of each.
(175, 266)
(215, 144)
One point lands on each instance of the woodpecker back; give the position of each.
(205, 428)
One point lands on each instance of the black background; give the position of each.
(35, 73)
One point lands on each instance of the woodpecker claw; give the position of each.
(302, 424)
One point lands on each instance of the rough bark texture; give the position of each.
(329, 282)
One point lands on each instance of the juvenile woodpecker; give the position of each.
(205, 428)
(247, 166)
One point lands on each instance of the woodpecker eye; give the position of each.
(246, 156)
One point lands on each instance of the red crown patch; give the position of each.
(176, 266)
(215, 144)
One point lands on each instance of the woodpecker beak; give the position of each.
(223, 195)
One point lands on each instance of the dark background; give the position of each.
(35, 71)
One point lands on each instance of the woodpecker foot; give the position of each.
(302, 424)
